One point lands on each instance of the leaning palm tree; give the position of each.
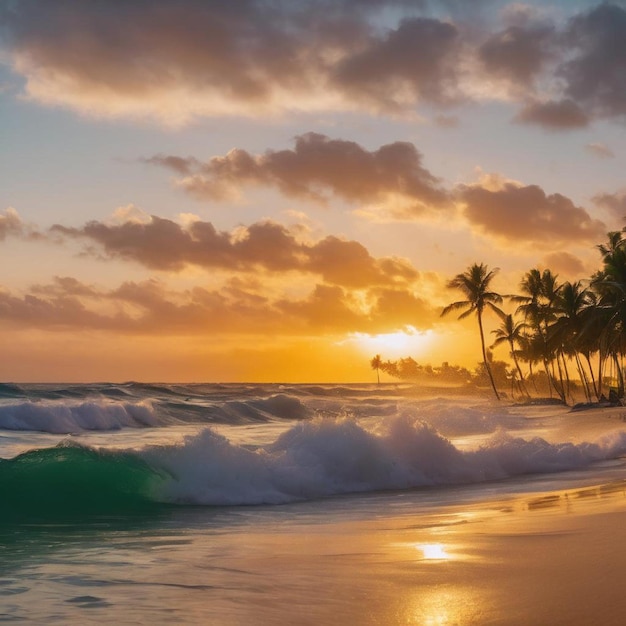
(474, 284)
(376, 364)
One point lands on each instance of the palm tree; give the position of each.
(474, 284)
(511, 333)
(610, 284)
(376, 364)
(540, 291)
(572, 310)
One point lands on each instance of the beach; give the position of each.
(543, 545)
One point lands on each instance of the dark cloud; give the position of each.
(518, 53)
(140, 49)
(554, 115)
(596, 75)
(174, 61)
(419, 56)
(316, 167)
(527, 214)
(165, 245)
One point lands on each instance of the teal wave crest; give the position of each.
(70, 480)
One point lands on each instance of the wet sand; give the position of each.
(553, 558)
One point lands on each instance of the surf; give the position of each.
(70, 479)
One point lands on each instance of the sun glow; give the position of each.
(401, 343)
(433, 551)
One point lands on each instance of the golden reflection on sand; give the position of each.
(443, 606)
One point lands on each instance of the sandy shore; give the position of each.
(557, 558)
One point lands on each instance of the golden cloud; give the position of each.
(151, 308)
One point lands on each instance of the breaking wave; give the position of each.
(313, 459)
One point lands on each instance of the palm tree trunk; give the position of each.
(482, 344)
(593, 378)
(568, 381)
(583, 377)
(620, 377)
(522, 382)
(532, 375)
(561, 390)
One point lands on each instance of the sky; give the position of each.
(278, 190)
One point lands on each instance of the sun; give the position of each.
(404, 342)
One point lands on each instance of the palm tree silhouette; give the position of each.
(376, 364)
(512, 333)
(474, 284)
(540, 292)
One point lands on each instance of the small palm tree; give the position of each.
(376, 364)
(474, 284)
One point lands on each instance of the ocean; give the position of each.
(281, 504)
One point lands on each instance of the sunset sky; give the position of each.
(277, 190)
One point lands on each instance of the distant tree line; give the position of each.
(562, 337)
(409, 370)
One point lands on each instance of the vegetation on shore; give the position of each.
(561, 337)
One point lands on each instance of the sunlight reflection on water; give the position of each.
(443, 606)
(433, 551)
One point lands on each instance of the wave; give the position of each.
(71, 416)
(64, 418)
(311, 460)
(70, 479)
(323, 458)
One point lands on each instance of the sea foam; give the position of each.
(67, 417)
(325, 457)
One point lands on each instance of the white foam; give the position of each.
(325, 457)
(61, 417)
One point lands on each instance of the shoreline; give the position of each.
(544, 559)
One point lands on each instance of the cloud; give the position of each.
(12, 225)
(562, 262)
(518, 53)
(316, 169)
(186, 58)
(525, 213)
(600, 150)
(554, 115)
(394, 307)
(150, 308)
(175, 61)
(595, 74)
(418, 60)
(614, 202)
(162, 244)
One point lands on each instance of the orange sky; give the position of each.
(279, 191)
